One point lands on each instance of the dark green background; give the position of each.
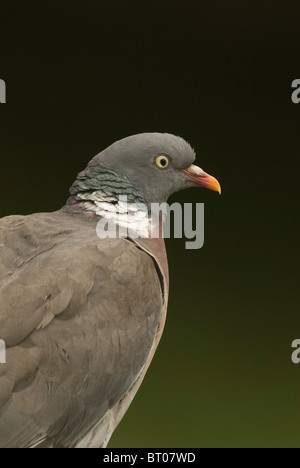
(82, 74)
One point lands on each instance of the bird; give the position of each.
(81, 316)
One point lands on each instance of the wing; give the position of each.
(79, 316)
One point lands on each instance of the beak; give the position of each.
(199, 177)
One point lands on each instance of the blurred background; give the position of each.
(82, 74)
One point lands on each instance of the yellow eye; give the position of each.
(162, 162)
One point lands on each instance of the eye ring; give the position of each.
(162, 161)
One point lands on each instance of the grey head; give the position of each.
(154, 165)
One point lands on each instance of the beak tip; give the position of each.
(214, 185)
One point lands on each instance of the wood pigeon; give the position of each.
(81, 316)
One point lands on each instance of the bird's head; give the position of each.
(157, 164)
(148, 166)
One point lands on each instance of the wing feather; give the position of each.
(79, 317)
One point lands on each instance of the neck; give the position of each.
(101, 192)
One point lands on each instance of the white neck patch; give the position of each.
(131, 218)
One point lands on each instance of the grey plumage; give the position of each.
(81, 316)
(60, 325)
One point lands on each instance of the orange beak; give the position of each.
(199, 177)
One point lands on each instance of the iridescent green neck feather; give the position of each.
(97, 187)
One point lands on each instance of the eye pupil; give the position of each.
(163, 162)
